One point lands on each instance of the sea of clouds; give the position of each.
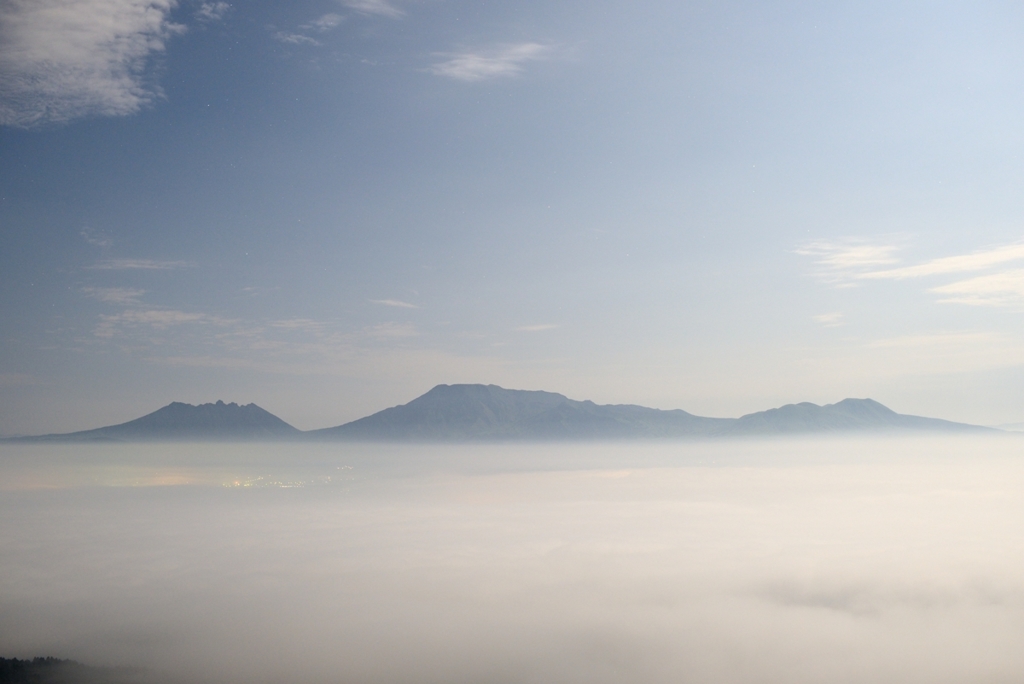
(881, 560)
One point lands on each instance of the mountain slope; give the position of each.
(844, 416)
(489, 412)
(179, 421)
(453, 412)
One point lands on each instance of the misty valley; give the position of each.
(876, 558)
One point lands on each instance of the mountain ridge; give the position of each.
(490, 412)
(476, 412)
(180, 421)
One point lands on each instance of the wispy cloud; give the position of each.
(394, 302)
(846, 260)
(160, 319)
(976, 261)
(212, 11)
(295, 38)
(830, 320)
(306, 324)
(65, 59)
(96, 238)
(845, 264)
(138, 265)
(378, 7)
(114, 295)
(537, 328)
(497, 62)
(325, 23)
(996, 289)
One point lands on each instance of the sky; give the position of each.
(327, 207)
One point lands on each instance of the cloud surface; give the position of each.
(65, 59)
(808, 561)
(482, 65)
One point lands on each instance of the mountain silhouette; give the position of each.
(489, 412)
(179, 421)
(451, 413)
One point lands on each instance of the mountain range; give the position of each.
(449, 413)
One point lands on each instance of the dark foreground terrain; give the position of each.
(58, 671)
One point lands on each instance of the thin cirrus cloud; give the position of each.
(114, 295)
(160, 319)
(395, 303)
(830, 320)
(481, 65)
(138, 265)
(378, 7)
(295, 38)
(963, 263)
(537, 328)
(847, 264)
(325, 23)
(996, 289)
(62, 60)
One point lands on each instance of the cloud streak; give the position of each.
(395, 303)
(481, 65)
(295, 38)
(159, 319)
(377, 7)
(62, 60)
(139, 265)
(847, 264)
(114, 295)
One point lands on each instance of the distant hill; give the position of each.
(451, 413)
(489, 412)
(846, 415)
(178, 421)
(481, 412)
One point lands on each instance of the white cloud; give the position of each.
(96, 238)
(306, 324)
(830, 320)
(212, 11)
(325, 23)
(65, 59)
(395, 302)
(378, 7)
(295, 38)
(498, 62)
(537, 328)
(845, 264)
(976, 261)
(840, 262)
(114, 295)
(138, 265)
(997, 289)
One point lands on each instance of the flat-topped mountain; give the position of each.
(179, 421)
(489, 412)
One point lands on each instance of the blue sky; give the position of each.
(327, 207)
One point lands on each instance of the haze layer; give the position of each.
(801, 561)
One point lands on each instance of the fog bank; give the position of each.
(893, 560)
